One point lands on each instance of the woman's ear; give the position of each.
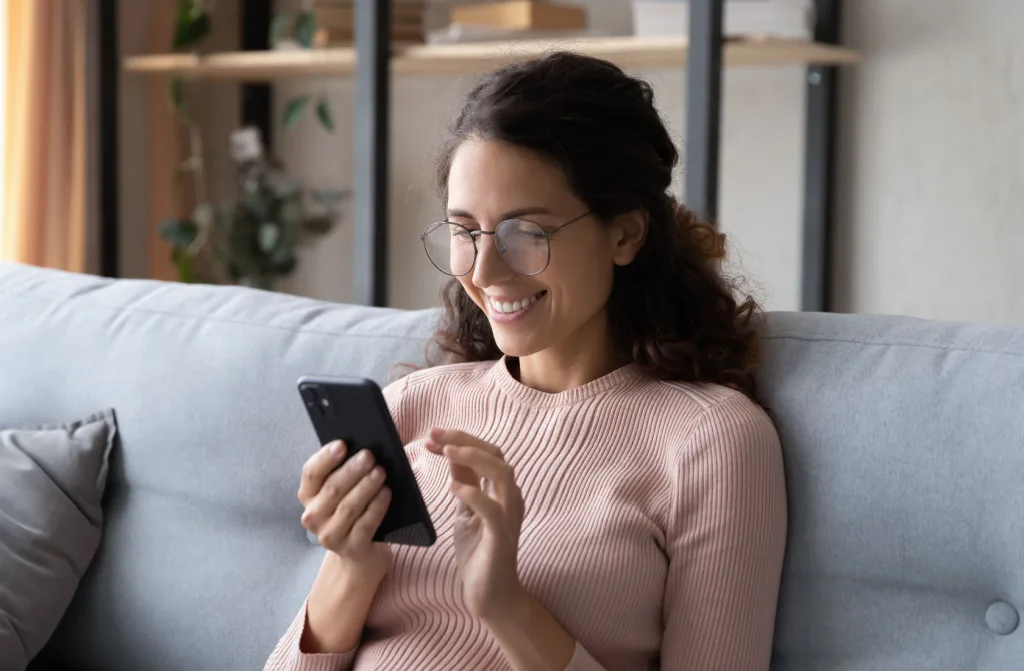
(628, 234)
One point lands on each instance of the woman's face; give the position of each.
(563, 307)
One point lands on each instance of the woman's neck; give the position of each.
(582, 358)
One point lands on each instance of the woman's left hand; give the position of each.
(488, 522)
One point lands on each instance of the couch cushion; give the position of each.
(904, 449)
(203, 561)
(51, 486)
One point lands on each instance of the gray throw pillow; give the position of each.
(51, 488)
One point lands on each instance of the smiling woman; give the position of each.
(606, 490)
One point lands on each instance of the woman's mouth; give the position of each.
(507, 309)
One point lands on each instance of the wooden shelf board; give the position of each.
(454, 59)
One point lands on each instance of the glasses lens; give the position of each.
(450, 248)
(523, 245)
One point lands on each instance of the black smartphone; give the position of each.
(353, 409)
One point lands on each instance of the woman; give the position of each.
(607, 494)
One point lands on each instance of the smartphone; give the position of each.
(353, 409)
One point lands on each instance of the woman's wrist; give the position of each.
(339, 604)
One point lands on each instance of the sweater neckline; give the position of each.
(504, 379)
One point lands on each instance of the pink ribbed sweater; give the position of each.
(654, 530)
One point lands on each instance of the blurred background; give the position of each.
(232, 151)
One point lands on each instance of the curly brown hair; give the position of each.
(671, 311)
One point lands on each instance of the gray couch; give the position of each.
(904, 445)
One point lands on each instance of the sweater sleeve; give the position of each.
(726, 541)
(287, 656)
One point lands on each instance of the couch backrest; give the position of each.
(904, 445)
(904, 449)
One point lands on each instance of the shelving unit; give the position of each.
(373, 62)
(455, 59)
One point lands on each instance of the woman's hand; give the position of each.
(486, 528)
(486, 534)
(344, 507)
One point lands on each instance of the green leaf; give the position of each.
(281, 185)
(327, 197)
(305, 29)
(281, 27)
(176, 90)
(186, 265)
(179, 232)
(192, 26)
(323, 112)
(290, 213)
(269, 235)
(293, 109)
(318, 225)
(284, 262)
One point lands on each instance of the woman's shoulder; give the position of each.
(455, 376)
(704, 404)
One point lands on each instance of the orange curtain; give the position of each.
(44, 217)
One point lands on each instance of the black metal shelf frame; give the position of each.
(703, 143)
(369, 261)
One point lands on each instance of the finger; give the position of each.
(442, 437)
(463, 474)
(368, 523)
(335, 531)
(487, 508)
(498, 472)
(335, 488)
(318, 467)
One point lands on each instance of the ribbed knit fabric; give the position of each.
(654, 531)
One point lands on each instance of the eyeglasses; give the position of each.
(524, 245)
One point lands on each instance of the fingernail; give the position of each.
(365, 457)
(337, 448)
(377, 474)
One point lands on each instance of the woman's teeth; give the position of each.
(506, 307)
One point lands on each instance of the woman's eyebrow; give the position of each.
(511, 214)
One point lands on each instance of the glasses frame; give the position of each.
(478, 233)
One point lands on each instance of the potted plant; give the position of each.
(254, 238)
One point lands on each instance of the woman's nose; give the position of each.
(490, 267)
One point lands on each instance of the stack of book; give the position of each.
(336, 22)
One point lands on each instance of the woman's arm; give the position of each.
(337, 607)
(726, 540)
(533, 640)
(325, 634)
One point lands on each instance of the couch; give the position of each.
(903, 441)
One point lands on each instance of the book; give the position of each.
(521, 15)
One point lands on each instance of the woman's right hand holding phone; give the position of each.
(343, 508)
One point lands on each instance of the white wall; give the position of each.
(930, 193)
(932, 196)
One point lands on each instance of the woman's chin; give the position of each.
(514, 346)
